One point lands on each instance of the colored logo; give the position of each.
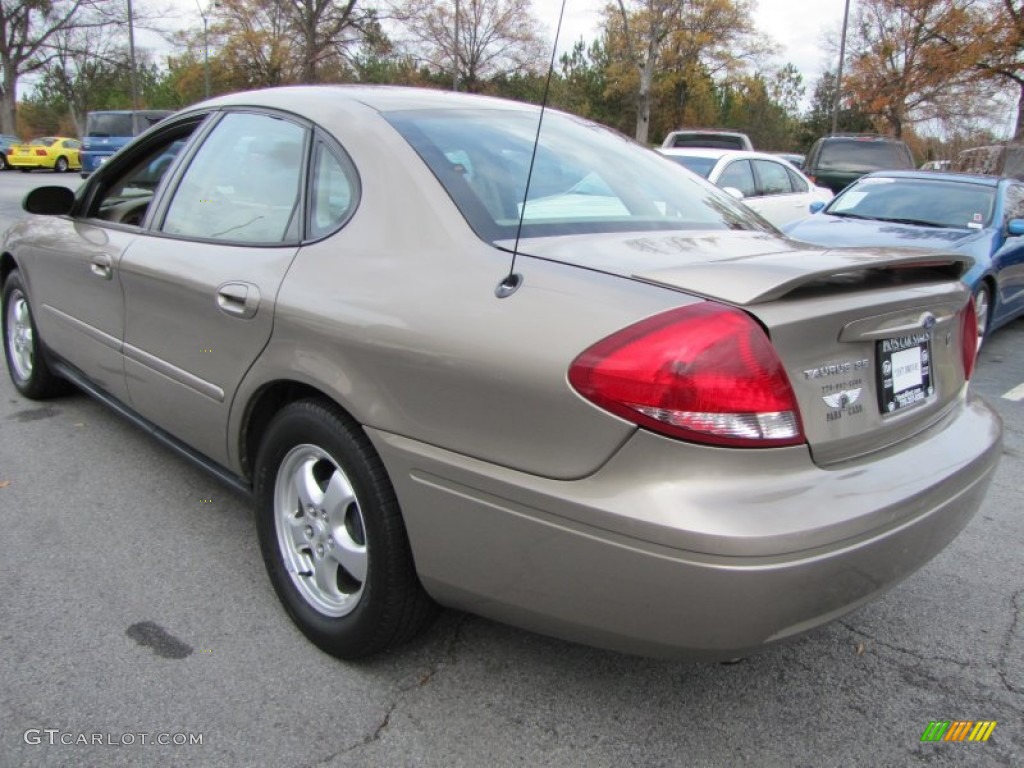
(958, 730)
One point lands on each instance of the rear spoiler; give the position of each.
(758, 279)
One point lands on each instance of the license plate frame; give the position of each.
(903, 365)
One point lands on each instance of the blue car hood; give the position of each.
(832, 231)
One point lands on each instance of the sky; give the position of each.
(798, 32)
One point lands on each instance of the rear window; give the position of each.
(700, 165)
(709, 140)
(863, 155)
(586, 178)
(106, 124)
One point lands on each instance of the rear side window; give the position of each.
(335, 189)
(739, 176)
(774, 179)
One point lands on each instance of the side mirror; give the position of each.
(733, 192)
(816, 206)
(49, 201)
(1015, 227)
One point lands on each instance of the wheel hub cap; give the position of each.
(320, 530)
(19, 335)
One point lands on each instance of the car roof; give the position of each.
(716, 154)
(317, 99)
(971, 178)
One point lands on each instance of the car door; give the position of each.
(1008, 260)
(200, 290)
(779, 201)
(76, 292)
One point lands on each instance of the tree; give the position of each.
(26, 29)
(901, 70)
(991, 35)
(817, 121)
(326, 30)
(491, 37)
(680, 36)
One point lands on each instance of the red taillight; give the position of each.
(705, 372)
(969, 336)
(41, 153)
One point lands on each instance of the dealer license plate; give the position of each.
(904, 371)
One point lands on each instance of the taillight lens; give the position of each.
(705, 373)
(40, 153)
(969, 335)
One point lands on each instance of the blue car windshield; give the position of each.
(586, 179)
(928, 202)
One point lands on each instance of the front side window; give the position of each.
(1014, 205)
(586, 178)
(125, 195)
(243, 183)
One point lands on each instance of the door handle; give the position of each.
(238, 299)
(101, 265)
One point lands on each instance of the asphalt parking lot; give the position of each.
(136, 611)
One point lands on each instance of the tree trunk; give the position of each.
(1018, 130)
(8, 102)
(643, 101)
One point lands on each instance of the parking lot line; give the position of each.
(1017, 393)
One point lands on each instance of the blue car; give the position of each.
(982, 216)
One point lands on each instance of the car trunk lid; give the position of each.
(870, 338)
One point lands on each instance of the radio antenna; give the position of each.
(512, 281)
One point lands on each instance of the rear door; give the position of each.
(200, 289)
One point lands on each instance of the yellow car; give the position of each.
(54, 152)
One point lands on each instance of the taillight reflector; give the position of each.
(969, 336)
(705, 372)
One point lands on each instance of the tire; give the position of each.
(61, 166)
(343, 570)
(983, 309)
(4, 165)
(23, 348)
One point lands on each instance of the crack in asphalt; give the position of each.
(1004, 651)
(448, 656)
(909, 651)
(922, 677)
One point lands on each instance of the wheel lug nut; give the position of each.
(309, 532)
(311, 510)
(330, 543)
(320, 550)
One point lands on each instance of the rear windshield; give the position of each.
(700, 165)
(710, 140)
(105, 124)
(863, 155)
(924, 202)
(586, 178)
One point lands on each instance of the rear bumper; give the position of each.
(678, 550)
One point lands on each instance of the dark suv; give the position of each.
(836, 161)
